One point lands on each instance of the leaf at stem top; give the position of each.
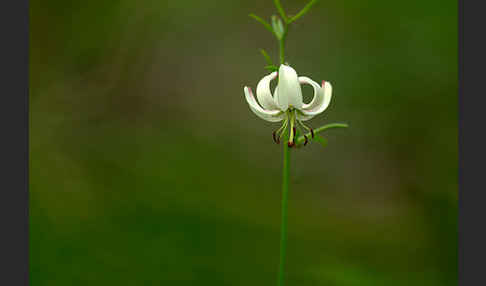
(303, 11)
(280, 10)
(278, 27)
(267, 57)
(264, 23)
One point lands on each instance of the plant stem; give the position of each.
(283, 228)
(282, 51)
(281, 43)
(281, 36)
(286, 171)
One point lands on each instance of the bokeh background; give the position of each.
(148, 168)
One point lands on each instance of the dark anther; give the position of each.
(291, 144)
(312, 133)
(294, 131)
(275, 138)
(305, 143)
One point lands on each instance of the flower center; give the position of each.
(287, 126)
(289, 130)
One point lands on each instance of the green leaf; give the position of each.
(267, 57)
(303, 11)
(280, 10)
(277, 27)
(263, 22)
(281, 26)
(321, 129)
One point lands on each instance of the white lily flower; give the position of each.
(286, 103)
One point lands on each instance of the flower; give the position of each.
(286, 103)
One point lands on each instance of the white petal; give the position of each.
(321, 100)
(302, 117)
(289, 90)
(318, 95)
(264, 94)
(268, 115)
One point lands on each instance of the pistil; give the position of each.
(292, 128)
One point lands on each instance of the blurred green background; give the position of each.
(148, 168)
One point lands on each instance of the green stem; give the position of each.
(283, 229)
(281, 43)
(285, 174)
(282, 51)
(286, 165)
(281, 36)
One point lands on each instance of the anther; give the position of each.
(275, 138)
(305, 143)
(294, 131)
(291, 144)
(312, 133)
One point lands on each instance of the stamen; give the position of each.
(305, 143)
(275, 139)
(282, 134)
(279, 132)
(291, 144)
(307, 128)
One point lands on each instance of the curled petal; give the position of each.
(289, 90)
(317, 92)
(321, 100)
(268, 115)
(302, 117)
(264, 94)
(315, 100)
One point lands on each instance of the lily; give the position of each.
(286, 103)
